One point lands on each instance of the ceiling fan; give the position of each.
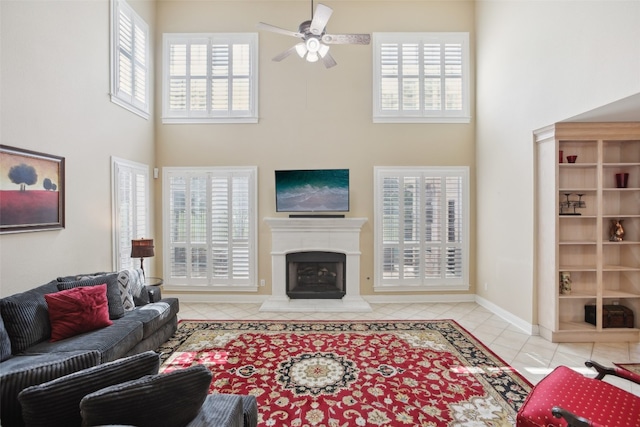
(315, 40)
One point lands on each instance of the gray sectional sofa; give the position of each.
(141, 320)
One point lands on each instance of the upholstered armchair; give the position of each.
(568, 398)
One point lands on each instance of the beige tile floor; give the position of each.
(532, 356)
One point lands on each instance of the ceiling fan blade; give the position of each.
(320, 19)
(284, 54)
(346, 38)
(328, 60)
(274, 29)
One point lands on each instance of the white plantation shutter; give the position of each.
(421, 228)
(129, 59)
(421, 77)
(130, 209)
(210, 78)
(211, 223)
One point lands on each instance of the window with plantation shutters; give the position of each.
(130, 71)
(130, 194)
(421, 77)
(210, 78)
(210, 228)
(421, 228)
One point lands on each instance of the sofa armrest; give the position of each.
(154, 292)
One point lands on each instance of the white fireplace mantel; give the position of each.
(315, 234)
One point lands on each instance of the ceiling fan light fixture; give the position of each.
(312, 57)
(313, 44)
(301, 49)
(324, 49)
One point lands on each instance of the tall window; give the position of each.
(210, 78)
(130, 71)
(422, 228)
(130, 194)
(210, 227)
(421, 77)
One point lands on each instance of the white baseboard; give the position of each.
(406, 299)
(514, 320)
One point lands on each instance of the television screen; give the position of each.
(316, 190)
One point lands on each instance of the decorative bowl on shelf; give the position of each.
(572, 159)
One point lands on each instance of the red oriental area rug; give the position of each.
(341, 374)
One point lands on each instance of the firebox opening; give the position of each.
(316, 275)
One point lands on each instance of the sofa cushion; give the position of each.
(26, 317)
(20, 372)
(77, 310)
(112, 342)
(116, 310)
(176, 398)
(5, 342)
(57, 402)
(154, 315)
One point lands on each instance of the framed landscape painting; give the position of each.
(31, 191)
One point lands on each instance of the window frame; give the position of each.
(207, 284)
(210, 116)
(122, 248)
(119, 97)
(421, 284)
(422, 115)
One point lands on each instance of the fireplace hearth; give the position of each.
(316, 275)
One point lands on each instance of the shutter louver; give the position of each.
(130, 209)
(130, 85)
(209, 76)
(219, 232)
(420, 77)
(422, 228)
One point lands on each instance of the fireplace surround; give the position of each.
(315, 234)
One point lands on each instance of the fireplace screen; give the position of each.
(316, 275)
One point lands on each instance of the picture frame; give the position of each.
(32, 191)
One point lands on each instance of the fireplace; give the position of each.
(316, 274)
(336, 236)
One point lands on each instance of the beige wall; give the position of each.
(54, 88)
(539, 62)
(311, 117)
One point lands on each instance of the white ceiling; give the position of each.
(624, 110)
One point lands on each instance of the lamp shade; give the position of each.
(142, 248)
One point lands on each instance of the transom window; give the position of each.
(130, 71)
(421, 228)
(210, 78)
(421, 77)
(209, 223)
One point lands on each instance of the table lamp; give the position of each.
(142, 248)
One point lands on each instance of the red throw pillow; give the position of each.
(78, 310)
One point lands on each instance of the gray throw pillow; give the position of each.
(57, 402)
(172, 399)
(116, 309)
(26, 317)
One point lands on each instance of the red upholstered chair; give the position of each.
(568, 398)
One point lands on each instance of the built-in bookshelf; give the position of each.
(579, 207)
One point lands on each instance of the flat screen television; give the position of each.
(313, 190)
